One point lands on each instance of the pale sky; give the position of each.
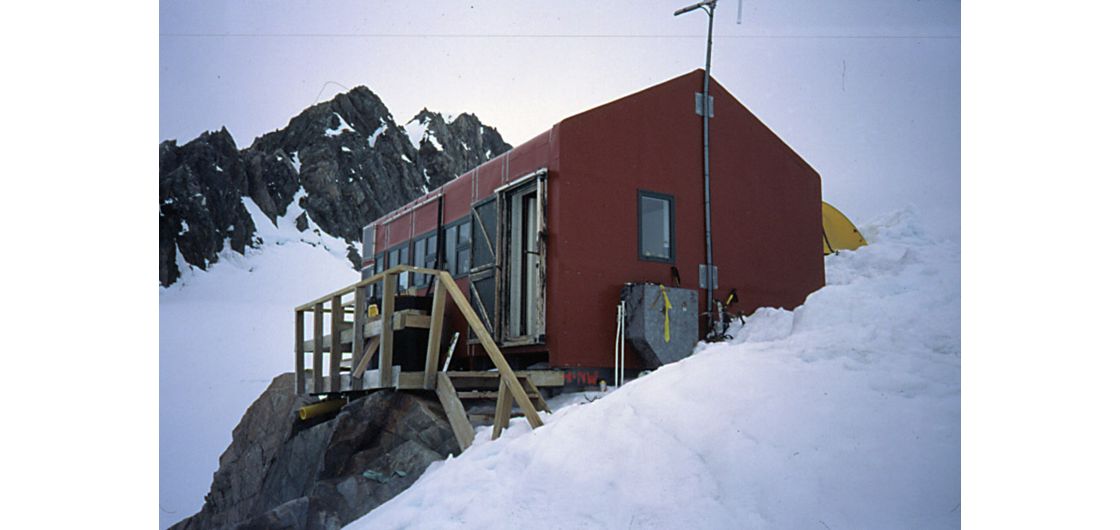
(867, 91)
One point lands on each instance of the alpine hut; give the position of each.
(608, 205)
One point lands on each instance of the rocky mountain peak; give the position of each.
(349, 155)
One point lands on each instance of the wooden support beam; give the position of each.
(301, 383)
(535, 395)
(388, 303)
(435, 335)
(503, 410)
(538, 377)
(317, 350)
(358, 370)
(336, 344)
(496, 357)
(487, 394)
(456, 416)
(358, 341)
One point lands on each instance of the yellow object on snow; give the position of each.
(839, 232)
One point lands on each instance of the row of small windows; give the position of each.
(425, 252)
(656, 227)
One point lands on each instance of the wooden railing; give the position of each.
(379, 332)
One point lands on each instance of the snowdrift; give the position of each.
(844, 413)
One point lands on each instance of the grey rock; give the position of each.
(349, 154)
(278, 473)
(200, 189)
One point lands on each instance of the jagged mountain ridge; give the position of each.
(349, 154)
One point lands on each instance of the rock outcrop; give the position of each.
(200, 189)
(352, 159)
(279, 473)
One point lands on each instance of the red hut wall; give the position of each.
(765, 211)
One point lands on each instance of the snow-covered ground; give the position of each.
(223, 335)
(841, 414)
(844, 413)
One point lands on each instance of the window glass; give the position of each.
(484, 233)
(450, 240)
(378, 266)
(367, 242)
(433, 252)
(398, 257)
(464, 234)
(457, 248)
(463, 261)
(656, 228)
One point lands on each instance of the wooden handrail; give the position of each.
(397, 269)
(512, 386)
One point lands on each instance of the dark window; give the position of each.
(655, 227)
(484, 231)
(378, 266)
(424, 253)
(399, 256)
(457, 248)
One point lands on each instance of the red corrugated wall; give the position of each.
(766, 222)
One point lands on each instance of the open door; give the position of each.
(522, 272)
(483, 276)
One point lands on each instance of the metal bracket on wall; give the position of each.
(704, 276)
(700, 105)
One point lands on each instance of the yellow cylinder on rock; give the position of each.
(315, 410)
(839, 232)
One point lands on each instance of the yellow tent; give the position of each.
(839, 232)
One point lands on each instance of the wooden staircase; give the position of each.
(471, 399)
(360, 338)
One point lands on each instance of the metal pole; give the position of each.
(710, 7)
(707, 164)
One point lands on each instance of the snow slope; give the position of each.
(841, 414)
(224, 334)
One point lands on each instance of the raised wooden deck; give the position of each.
(339, 348)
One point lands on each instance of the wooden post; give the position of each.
(435, 334)
(317, 350)
(301, 384)
(453, 407)
(336, 343)
(496, 357)
(388, 302)
(503, 410)
(359, 349)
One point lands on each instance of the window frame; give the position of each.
(672, 226)
(420, 280)
(377, 267)
(402, 259)
(452, 261)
